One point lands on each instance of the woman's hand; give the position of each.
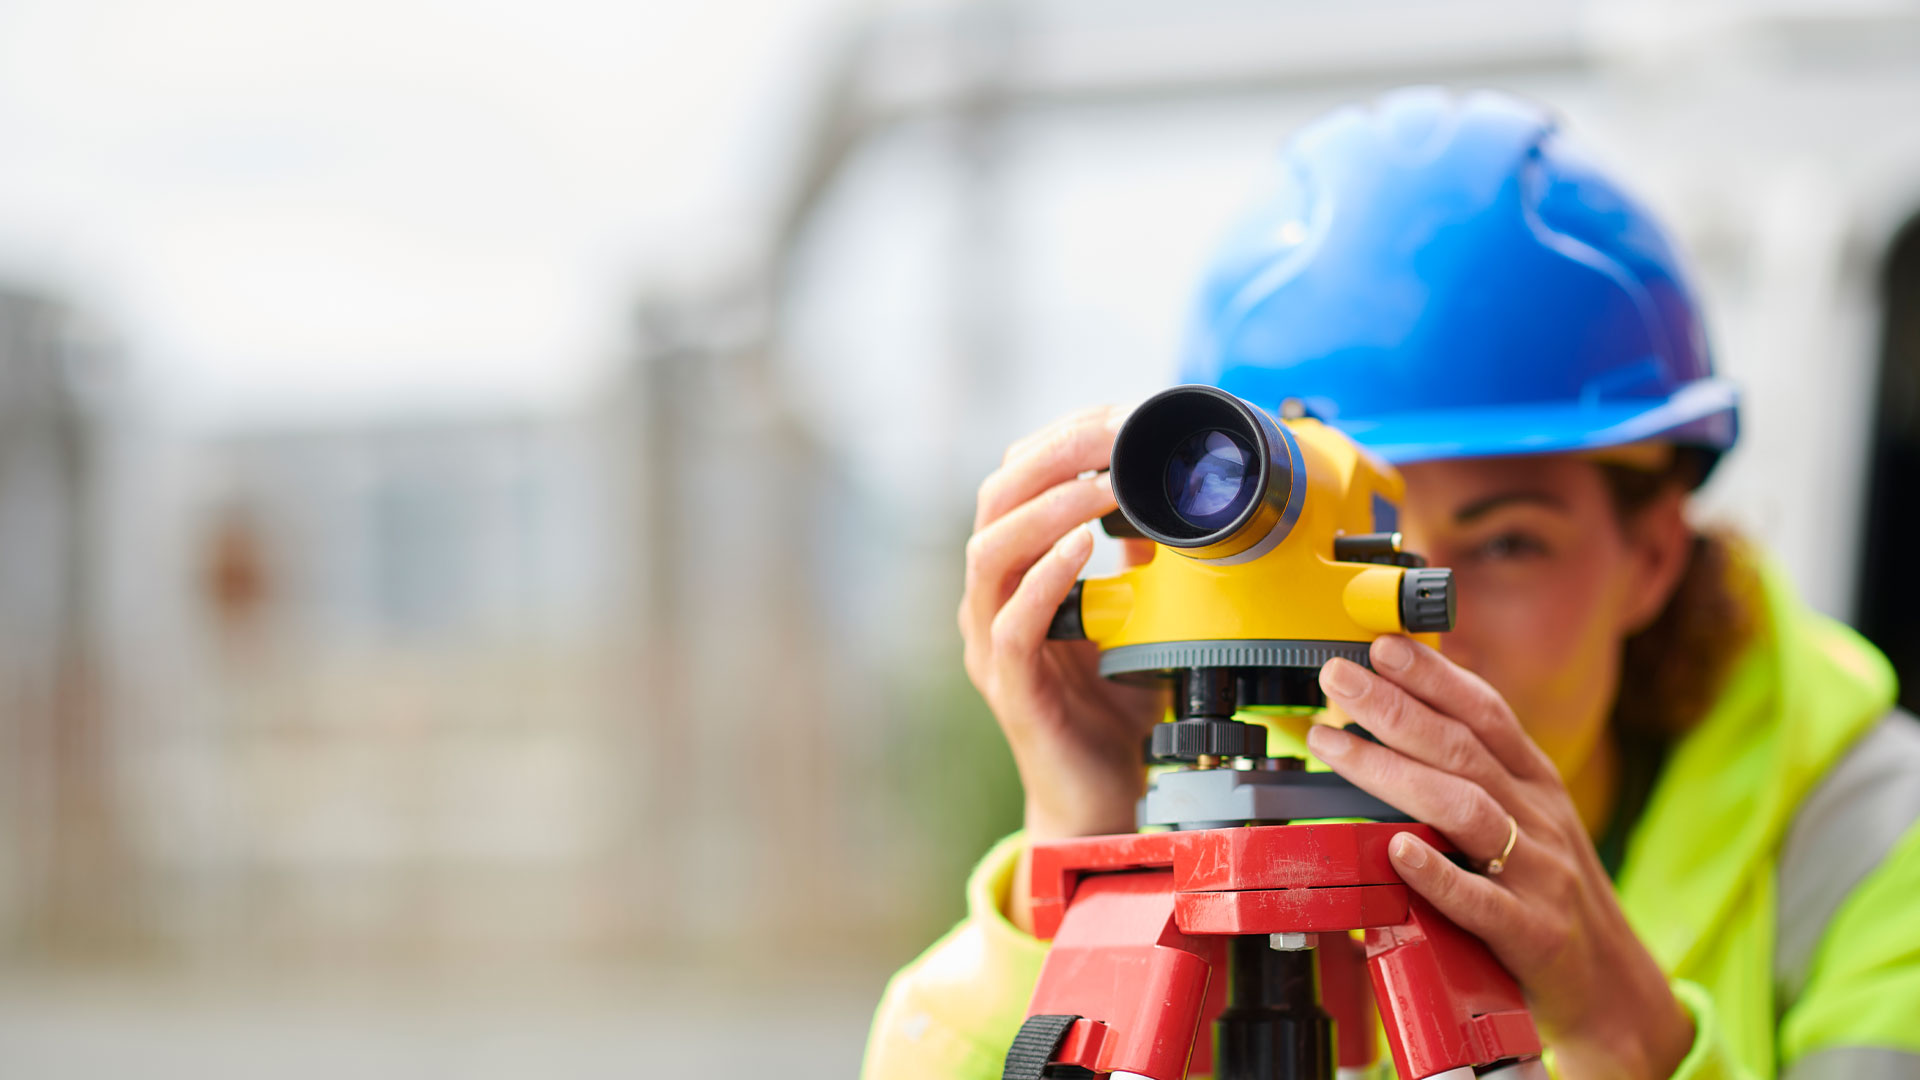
(1456, 758)
(1075, 736)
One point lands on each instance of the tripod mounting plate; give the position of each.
(1215, 798)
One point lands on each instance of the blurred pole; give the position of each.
(984, 45)
(659, 394)
(69, 854)
(733, 689)
(1888, 588)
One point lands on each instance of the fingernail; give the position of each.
(1116, 418)
(1392, 652)
(1074, 544)
(1409, 851)
(1328, 743)
(1342, 678)
(1103, 482)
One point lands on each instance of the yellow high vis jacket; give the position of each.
(1774, 874)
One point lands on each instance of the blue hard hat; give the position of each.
(1445, 276)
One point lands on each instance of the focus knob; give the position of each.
(1426, 600)
(1189, 740)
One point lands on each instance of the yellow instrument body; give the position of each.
(1297, 591)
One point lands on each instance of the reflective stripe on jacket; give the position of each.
(1775, 876)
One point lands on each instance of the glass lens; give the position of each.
(1208, 480)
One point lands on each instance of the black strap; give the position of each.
(1033, 1048)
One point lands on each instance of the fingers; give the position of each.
(1475, 904)
(1078, 444)
(1407, 724)
(1452, 690)
(1021, 626)
(999, 552)
(1461, 809)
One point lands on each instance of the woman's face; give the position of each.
(1549, 583)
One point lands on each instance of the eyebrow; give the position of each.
(1491, 503)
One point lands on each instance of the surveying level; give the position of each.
(1282, 551)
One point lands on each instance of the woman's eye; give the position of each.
(1509, 546)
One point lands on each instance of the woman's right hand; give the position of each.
(1075, 736)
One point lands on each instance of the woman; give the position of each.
(1716, 860)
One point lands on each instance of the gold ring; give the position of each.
(1494, 866)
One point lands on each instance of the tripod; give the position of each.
(1239, 918)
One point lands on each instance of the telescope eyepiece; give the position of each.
(1202, 471)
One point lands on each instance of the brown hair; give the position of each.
(1671, 671)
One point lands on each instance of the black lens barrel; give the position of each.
(1149, 453)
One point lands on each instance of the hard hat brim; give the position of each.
(1702, 413)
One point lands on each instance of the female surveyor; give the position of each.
(1716, 861)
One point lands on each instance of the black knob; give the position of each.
(1066, 624)
(1426, 600)
(1189, 740)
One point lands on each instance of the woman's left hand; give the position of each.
(1455, 758)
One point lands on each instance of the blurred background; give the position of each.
(482, 485)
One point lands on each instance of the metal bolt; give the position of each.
(1291, 942)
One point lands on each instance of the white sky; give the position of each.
(312, 207)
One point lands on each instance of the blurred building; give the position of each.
(552, 688)
(388, 739)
